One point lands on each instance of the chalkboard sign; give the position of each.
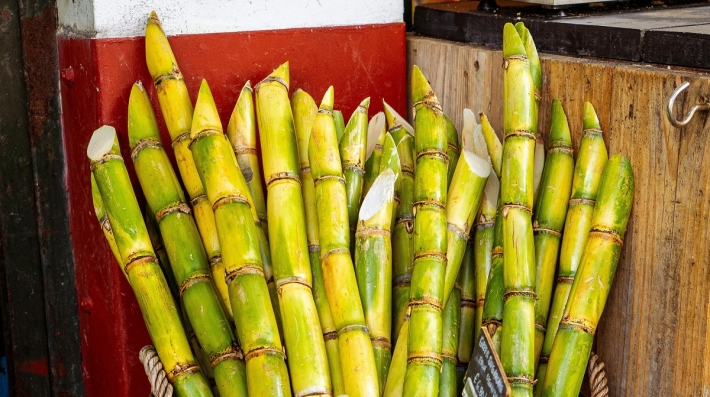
(485, 376)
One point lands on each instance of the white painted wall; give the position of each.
(126, 18)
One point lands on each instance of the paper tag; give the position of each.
(485, 376)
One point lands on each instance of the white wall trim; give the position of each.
(126, 18)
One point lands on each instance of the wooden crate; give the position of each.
(655, 332)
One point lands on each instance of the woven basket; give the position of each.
(160, 387)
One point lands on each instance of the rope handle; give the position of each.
(159, 385)
(597, 377)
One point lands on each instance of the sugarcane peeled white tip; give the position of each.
(477, 164)
(374, 128)
(398, 118)
(381, 192)
(101, 142)
(467, 132)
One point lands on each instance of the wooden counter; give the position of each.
(654, 336)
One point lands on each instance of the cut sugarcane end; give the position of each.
(490, 192)
(381, 192)
(539, 163)
(328, 99)
(101, 142)
(374, 129)
(479, 143)
(478, 165)
(397, 118)
(469, 123)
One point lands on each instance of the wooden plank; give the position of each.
(683, 46)
(654, 336)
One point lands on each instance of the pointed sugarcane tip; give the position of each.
(328, 99)
(281, 74)
(365, 103)
(380, 193)
(102, 140)
(153, 19)
(247, 85)
(559, 127)
(512, 43)
(141, 118)
(591, 121)
(205, 114)
(421, 89)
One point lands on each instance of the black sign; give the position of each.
(485, 376)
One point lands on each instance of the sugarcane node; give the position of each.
(560, 149)
(543, 230)
(271, 79)
(203, 134)
(312, 248)
(587, 328)
(461, 232)
(192, 280)
(325, 111)
(441, 256)
(231, 353)
(591, 132)
(480, 302)
(425, 358)
(483, 225)
(282, 176)
(454, 148)
(434, 154)
(449, 356)
(215, 259)
(497, 252)
(241, 149)
(565, 280)
(543, 359)
(253, 268)
(468, 303)
(521, 380)
(177, 207)
(372, 231)
(507, 207)
(106, 157)
(334, 251)
(185, 136)
(229, 199)
(182, 369)
(607, 234)
(282, 282)
(431, 203)
(324, 178)
(428, 103)
(145, 143)
(139, 259)
(520, 133)
(263, 351)
(355, 167)
(581, 201)
(407, 170)
(105, 223)
(317, 393)
(174, 74)
(540, 327)
(537, 95)
(305, 170)
(331, 335)
(197, 199)
(353, 328)
(529, 294)
(381, 341)
(404, 280)
(428, 301)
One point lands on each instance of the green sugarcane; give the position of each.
(140, 265)
(228, 194)
(590, 290)
(390, 161)
(376, 130)
(304, 114)
(182, 242)
(519, 119)
(104, 223)
(549, 212)
(159, 248)
(308, 360)
(591, 158)
(492, 316)
(448, 384)
(373, 267)
(353, 145)
(452, 148)
(339, 124)
(402, 237)
(241, 132)
(397, 126)
(495, 148)
(356, 355)
(466, 280)
(536, 73)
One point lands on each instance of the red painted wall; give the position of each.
(97, 75)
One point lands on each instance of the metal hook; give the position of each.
(671, 102)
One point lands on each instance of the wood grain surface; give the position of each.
(654, 336)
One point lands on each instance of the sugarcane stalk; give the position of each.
(227, 193)
(452, 148)
(402, 237)
(356, 355)
(353, 145)
(590, 289)
(549, 211)
(467, 281)
(519, 119)
(187, 256)
(140, 265)
(450, 341)
(492, 316)
(376, 130)
(397, 125)
(241, 132)
(536, 74)
(591, 158)
(308, 361)
(177, 112)
(495, 148)
(339, 124)
(373, 267)
(390, 161)
(104, 223)
(159, 248)
(304, 114)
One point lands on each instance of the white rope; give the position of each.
(159, 385)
